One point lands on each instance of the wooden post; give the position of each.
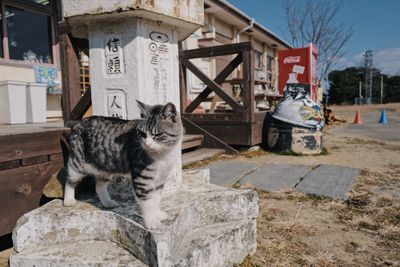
(248, 85)
(182, 81)
(71, 75)
(183, 88)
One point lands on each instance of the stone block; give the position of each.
(89, 253)
(198, 176)
(330, 181)
(185, 16)
(227, 173)
(273, 177)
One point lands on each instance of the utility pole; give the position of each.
(368, 76)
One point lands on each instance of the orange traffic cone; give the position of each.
(358, 119)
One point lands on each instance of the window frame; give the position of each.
(259, 55)
(50, 11)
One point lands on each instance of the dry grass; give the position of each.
(4, 255)
(295, 229)
(370, 142)
(320, 258)
(255, 153)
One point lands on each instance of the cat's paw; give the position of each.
(162, 215)
(153, 223)
(110, 204)
(69, 202)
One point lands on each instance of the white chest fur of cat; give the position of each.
(145, 150)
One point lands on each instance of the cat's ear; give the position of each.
(144, 109)
(169, 111)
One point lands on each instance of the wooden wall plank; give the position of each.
(34, 160)
(30, 145)
(21, 189)
(9, 164)
(210, 141)
(230, 134)
(58, 156)
(228, 118)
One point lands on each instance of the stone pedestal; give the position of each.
(133, 53)
(207, 225)
(130, 59)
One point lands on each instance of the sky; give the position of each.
(376, 28)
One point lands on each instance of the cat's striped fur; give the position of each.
(144, 149)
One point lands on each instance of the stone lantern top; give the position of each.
(184, 15)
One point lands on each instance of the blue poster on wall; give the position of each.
(47, 75)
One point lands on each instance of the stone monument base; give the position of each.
(207, 225)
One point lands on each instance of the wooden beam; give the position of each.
(213, 86)
(82, 106)
(218, 80)
(214, 51)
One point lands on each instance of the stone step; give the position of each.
(86, 253)
(191, 141)
(200, 154)
(192, 208)
(226, 244)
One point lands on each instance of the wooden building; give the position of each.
(232, 58)
(29, 47)
(30, 153)
(230, 74)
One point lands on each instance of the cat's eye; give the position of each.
(142, 134)
(158, 135)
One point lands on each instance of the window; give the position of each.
(269, 68)
(27, 32)
(258, 64)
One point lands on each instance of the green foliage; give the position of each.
(344, 86)
(392, 90)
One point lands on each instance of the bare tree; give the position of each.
(316, 21)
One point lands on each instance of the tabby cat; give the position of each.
(145, 150)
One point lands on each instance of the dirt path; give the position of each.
(297, 229)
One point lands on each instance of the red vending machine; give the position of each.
(299, 65)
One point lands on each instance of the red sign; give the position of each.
(299, 65)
